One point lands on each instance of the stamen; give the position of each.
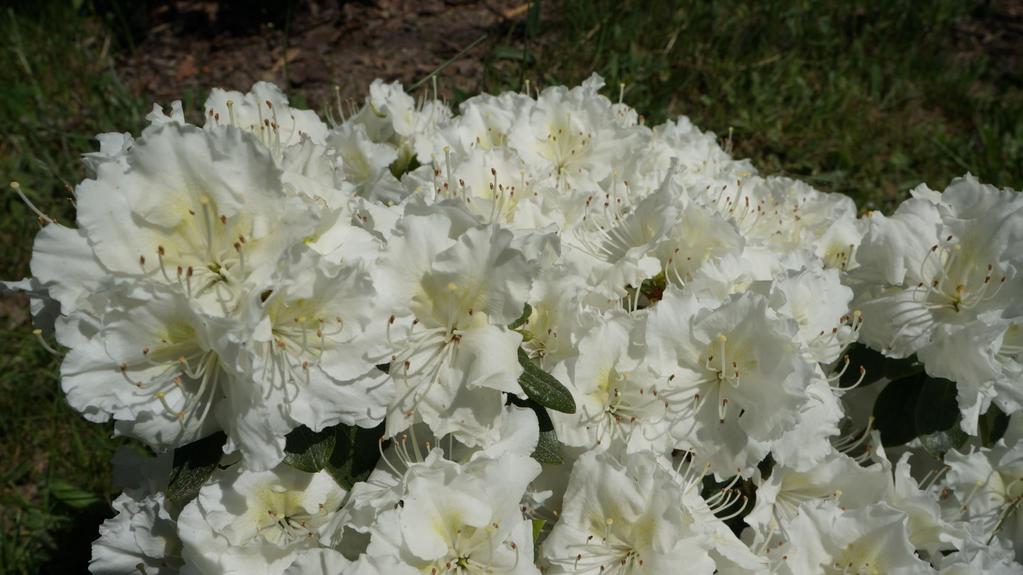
(38, 333)
(39, 214)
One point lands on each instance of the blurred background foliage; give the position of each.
(864, 98)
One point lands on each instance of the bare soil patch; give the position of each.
(190, 46)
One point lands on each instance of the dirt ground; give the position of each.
(189, 46)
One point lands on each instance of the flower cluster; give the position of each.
(535, 335)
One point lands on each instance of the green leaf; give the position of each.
(876, 367)
(542, 387)
(348, 453)
(526, 312)
(72, 495)
(894, 410)
(939, 442)
(937, 417)
(309, 451)
(936, 407)
(355, 454)
(548, 449)
(193, 465)
(533, 18)
(992, 426)
(503, 52)
(537, 528)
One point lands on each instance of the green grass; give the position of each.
(864, 100)
(58, 92)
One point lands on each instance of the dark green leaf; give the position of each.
(309, 451)
(939, 442)
(894, 410)
(548, 449)
(936, 407)
(193, 465)
(356, 452)
(502, 52)
(876, 366)
(533, 18)
(543, 388)
(526, 312)
(348, 453)
(992, 426)
(71, 495)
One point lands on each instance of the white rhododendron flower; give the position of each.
(615, 394)
(142, 533)
(203, 212)
(257, 522)
(142, 536)
(460, 518)
(986, 486)
(265, 112)
(827, 539)
(736, 379)
(633, 515)
(151, 364)
(943, 268)
(530, 335)
(455, 356)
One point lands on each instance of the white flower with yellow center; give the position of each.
(366, 164)
(484, 122)
(454, 355)
(264, 111)
(571, 137)
(382, 490)
(633, 516)
(558, 316)
(873, 540)
(819, 304)
(203, 212)
(943, 273)
(615, 394)
(490, 183)
(151, 363)
(837, 478)
(257, 522)
(392, 116)
(699, 236)
(460, 519)
(985, 487)
(615, 245)
(309, 350)
(735, 379)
